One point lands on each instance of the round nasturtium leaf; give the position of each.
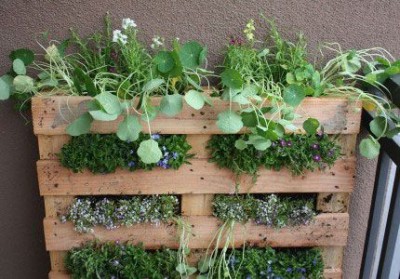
(240, 144)
(195, 99)
(102, 115)
(171, 105)
(311, 125)
(164, 61)
(24, 54)
(19, 67)
(293, 95)
(378, 126)
(80, 126)
(109, 102)
(369, 148)
(23, 84)
(129, 129)
(5, 90)
(190, 54)
(232, 79)
(149, 152)
(229, 122)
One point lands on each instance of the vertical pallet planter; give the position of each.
(196, 183)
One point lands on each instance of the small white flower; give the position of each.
(119, 37)
(127, 22)
(157, 42)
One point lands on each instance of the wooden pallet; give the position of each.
(196, 183)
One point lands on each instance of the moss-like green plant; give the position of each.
(297, 153)
(267, 263)
(106, 153)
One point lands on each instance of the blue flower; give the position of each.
(248, 276)
(269, 269)
(131, 152)
(289, 270)
(115, 263)
(175, 155)
(314, 262)
(155, 136)
(166, 154)
(131, 164)
(164, 148)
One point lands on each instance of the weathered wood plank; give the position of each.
(333, 202)
(332, 256)
(328, 274)
(329, 229)
(200, 177)
(51, 116)
(197, 205)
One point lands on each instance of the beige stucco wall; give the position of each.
(354, 24)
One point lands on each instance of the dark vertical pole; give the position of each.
(375, 215)
(391, 234)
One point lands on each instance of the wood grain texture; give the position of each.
(197, 205)
(328, 274)
(51, 115)
(200, 177)
(328, 229)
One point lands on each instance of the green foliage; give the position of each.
(110, 260)
(112, 213)
(270, 210)
(271, 263)
(297, 153)
(106, 153)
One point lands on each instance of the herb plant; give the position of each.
(106, 153)
(296, 152)
(112, 213)
(114, 260)
(265, 83)
(270, 210)
(266, 263)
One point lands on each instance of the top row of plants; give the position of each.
(263, 81)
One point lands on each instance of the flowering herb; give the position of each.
(112, 213)
(270, 210)
(268, 263)
(115, 260)
(106, 153)
(297, 153)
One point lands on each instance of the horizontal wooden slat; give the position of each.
(201, 177)
(329, 229)
(328, 274)
(51, 116)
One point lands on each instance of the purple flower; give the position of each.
(314, 262)
(131, 164)
(232, 41)
(302, 270)
(289, 270)
(273, 144)
(155, 136)
(166, 154)
(289, 143)
(282, 142)
(315, 146)
(175, 155)
(112, 69)
(269, 269)
(317, 158)
(331, 152)
(320, 134)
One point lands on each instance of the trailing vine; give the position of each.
(106, 153)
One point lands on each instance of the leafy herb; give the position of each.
(270, 210)
(112, 213)
(106, 153)
(269, 263)
(297, 153)
(110, 260)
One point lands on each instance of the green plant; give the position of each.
(269, 263)
(264, 84)
(112, 213)
(297, 153)
(114, 260)
(106, 153)
(270, 210)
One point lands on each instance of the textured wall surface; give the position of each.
(354, 24)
